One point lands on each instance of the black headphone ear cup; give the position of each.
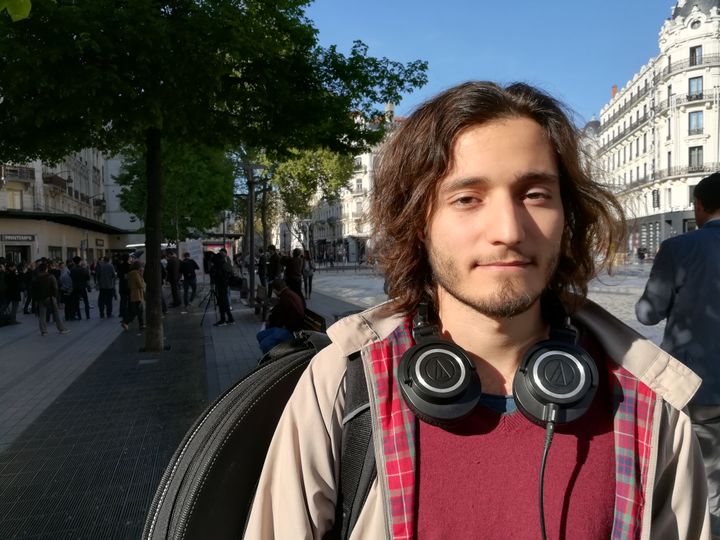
(555, 373)
(438, 381)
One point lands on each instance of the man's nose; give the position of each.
(504, 220)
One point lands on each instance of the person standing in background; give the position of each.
(307, 273)
(684, 288)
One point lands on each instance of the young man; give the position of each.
(488, 229)
(188, 267)
(684, 289)
(222, 272)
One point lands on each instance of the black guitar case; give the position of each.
(209, 484)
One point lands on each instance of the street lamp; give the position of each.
(250, 175)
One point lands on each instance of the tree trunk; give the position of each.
(153, 239)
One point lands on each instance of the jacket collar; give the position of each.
(666, 376)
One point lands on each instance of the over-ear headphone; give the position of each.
(556, 380)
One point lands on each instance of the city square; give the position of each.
(206, 180)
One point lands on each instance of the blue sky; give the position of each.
(576, 50)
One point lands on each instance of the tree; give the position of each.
(110, 74)
(307, 175)
(198, 187)
(17, 9)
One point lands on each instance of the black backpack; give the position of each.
(208, 487)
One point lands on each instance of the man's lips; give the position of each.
(509, 264)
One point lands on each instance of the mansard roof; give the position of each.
(684, 7)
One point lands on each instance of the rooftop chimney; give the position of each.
(614, 90)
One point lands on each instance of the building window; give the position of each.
(669, 161)
(358, 184)
(695, 123)
(696, 55)
(644, 170)
(695, 157)
(637, 147)
(669, 198)
(55, 253)
(644, 142)
(656, 198)
(695, 88)
(14, 199)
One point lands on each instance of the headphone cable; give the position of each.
(549, 431)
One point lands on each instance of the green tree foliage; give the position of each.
(115, 73)
(17, 9)
(308, 174)
(197, 188)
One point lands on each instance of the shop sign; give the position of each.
(17, 237)
(99, 242)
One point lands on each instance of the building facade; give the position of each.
(61, 210)
(660, 134)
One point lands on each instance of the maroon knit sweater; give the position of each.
(480, 478)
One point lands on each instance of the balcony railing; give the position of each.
(634, 125)
(630, 104)
(18, 174)
(681, 65)
(55, 180)
(696, 131)
(680, 170)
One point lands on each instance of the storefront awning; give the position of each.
(71, 220)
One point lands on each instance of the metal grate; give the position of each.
(89, 465)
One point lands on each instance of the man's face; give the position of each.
(494, 234)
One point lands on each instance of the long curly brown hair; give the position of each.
(419, 154)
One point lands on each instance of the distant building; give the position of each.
(62, 210)
(660, 133)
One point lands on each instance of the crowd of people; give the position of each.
(46, 287)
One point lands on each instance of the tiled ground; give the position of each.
(88, 423)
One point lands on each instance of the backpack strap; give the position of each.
(357, 461)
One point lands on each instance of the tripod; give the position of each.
(211, 296)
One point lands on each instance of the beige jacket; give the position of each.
(296, 492)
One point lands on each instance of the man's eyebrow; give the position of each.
(527, 177)
(464, 182)
(538, 177)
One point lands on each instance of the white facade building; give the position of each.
(660, 134)
(61, 210)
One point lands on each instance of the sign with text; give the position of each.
(17, 237)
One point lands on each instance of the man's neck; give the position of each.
(495, 345)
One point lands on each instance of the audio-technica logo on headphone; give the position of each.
(559, 372)
(440, 370)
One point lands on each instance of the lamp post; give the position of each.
(250, 175)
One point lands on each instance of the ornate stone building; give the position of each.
(660, 134)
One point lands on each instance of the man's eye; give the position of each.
(465, 201)
(534, 195)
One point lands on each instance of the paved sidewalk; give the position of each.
(88, 423)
